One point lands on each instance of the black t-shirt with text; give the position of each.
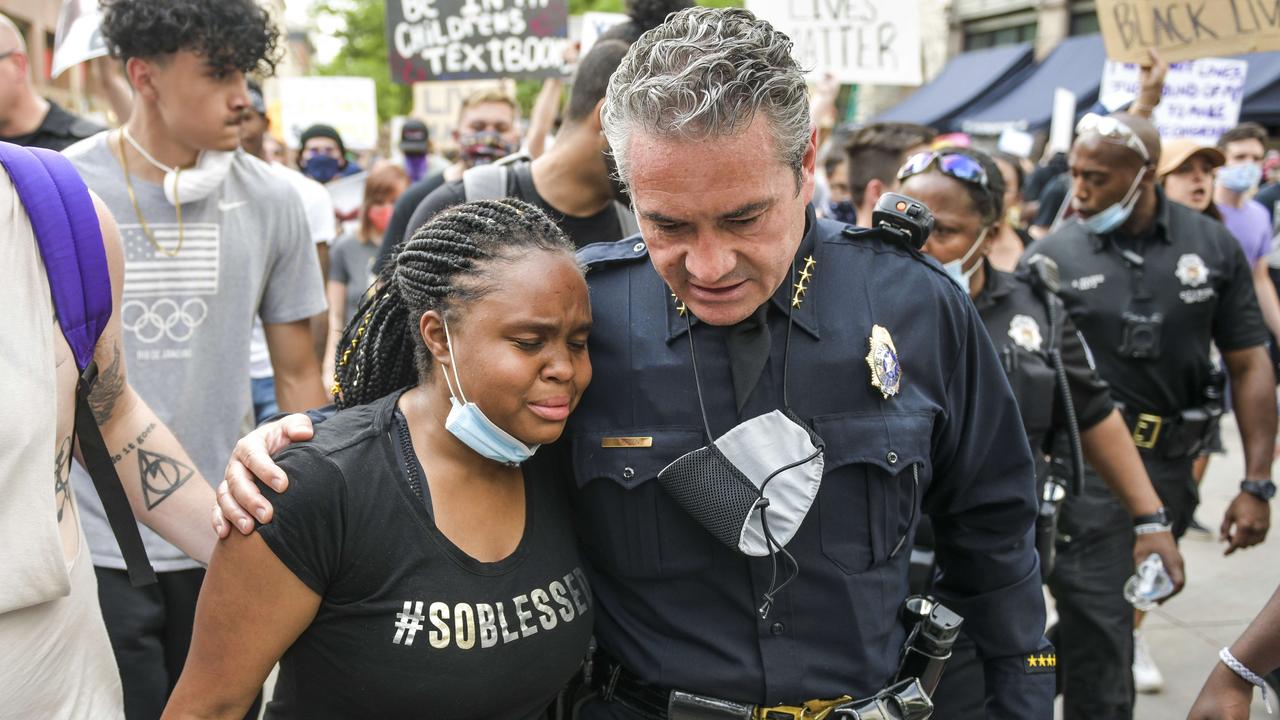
(409, 625)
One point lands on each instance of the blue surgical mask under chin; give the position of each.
(321, 168)
(1240, 178)
(1113, 216)
(468, 423)
(955, 269)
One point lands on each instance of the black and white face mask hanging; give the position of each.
(752, 487)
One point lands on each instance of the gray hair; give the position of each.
(704, 73)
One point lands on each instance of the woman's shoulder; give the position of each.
(346, 436)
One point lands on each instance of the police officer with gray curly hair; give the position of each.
(778, 400)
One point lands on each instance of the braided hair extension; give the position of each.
(442, 268)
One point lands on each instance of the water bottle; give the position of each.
(1149, 585)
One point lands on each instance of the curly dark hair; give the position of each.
(642, 16)
(442, 268)
(228, 33)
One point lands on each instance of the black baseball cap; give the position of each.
(413, 137)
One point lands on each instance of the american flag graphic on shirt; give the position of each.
(162, 293)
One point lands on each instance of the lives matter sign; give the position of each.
(1201, 99)
(874, 42)
(1187, 29)
(468, 39)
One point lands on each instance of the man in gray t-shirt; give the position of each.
(212, 239)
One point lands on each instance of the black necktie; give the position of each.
(748, 344)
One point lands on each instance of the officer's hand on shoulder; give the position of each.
(238, 493)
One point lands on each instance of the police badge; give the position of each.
(1025, 332)
(1191, 270)
(882, 358)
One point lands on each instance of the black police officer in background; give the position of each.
(965, 190)
(869, 344)
(1149, 283)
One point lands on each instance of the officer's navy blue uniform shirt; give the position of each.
(678, 609)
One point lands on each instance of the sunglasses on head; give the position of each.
(961, 167)
(1112, 130)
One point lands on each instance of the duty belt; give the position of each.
(1173, 436)
(905, 700)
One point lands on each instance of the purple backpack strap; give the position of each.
(70, 241)
(66, 228)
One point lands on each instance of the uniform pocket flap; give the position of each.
(631, 456)
(893, 442)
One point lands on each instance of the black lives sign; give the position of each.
(469, 39)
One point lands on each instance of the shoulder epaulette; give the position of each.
(889, 239)
(598, 255)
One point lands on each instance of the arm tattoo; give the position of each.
(107, 389)
(62, 477)
(161, 476)
(135, 444)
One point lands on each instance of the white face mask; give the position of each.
(955, 269)
(189, 184)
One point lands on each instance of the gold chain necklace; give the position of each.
(146, 229)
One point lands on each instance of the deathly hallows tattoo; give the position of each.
(161, 476)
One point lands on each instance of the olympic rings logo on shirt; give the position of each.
(163, 318)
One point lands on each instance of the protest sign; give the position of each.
(1201, 99)
(1018, 143)
(874, 42)
(1187, 29)
(79, 35)
(437, 104)
(467, 39)
(594, 24)
(349, 104)
(1062, 126)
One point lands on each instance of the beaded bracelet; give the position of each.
(1245, 674)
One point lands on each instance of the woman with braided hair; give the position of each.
(415, 569)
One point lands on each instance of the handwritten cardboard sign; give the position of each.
(1187, 29)
(874, 42)
(467, 39)
(1201, 99)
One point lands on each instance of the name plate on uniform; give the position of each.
(626, 442)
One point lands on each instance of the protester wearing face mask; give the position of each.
(1244, 147)
(415, 567)
(1150, 283)
(487, 111)
(354, 255)
(1034, 338)
(323, 156)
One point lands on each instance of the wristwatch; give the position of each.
(1264, 490)
(1155, 522)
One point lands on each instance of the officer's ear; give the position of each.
(431, 330)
